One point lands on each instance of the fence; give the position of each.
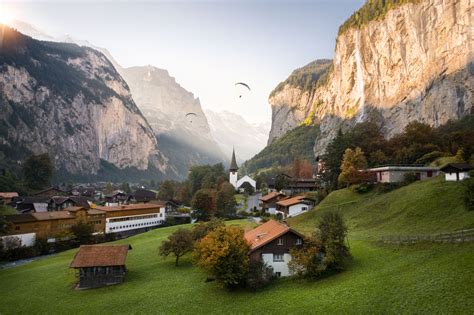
(452, 237)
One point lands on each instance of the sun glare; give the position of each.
(5, 14)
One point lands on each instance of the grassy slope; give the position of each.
(382, 279)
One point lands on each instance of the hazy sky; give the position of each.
(206, 46)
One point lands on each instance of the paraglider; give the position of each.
(190, 117)
(242, 86)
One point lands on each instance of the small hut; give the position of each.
(100, 265)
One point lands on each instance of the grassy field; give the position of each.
(426, 278)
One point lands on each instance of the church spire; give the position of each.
(233, 163)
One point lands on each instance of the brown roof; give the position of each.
(8, 194)
(270, 196)
(100, 256)
(290, 201)
(53, 215)
(266, 233)
(136, 206)
(21, 218)
(89, 211)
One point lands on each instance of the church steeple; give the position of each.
(233, 163)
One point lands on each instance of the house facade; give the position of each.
(456, 171)
(396, 174)
(294, 206)
(269, 201)
(271, 243)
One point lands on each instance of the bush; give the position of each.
(409, 178)
(382, 188)
(259, 276)
(469, 193)
(362, 188)
(201, 229)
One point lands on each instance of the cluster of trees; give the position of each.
(417, 144)
(371, 10)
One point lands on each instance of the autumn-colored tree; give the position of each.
(204, 204)
(179, 243)
(307, 262)
(352, 162)
(224, 254)
(183, 193)
(201, 229)
(306, 170)
(296, 167)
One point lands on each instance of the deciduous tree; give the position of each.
(38, 171)
(353, 162)
(204, 204)
(179, 243)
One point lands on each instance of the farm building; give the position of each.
(272, 242)
(456, 171)
(395, 173)
(100, 265)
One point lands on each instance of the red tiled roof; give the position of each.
(136, 206)
(290, 201)
(100, 256)
(270, 196)
(266, 233)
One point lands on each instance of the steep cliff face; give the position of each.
(70, 102)
(414, 64)
(185, 139)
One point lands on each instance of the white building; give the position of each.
(395, 174)
(456, 171)
(233, 176)
(291, 207)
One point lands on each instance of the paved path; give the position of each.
(253, 201)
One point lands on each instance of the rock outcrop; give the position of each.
(70, 102)
(414, 64)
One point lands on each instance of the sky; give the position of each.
(207, 46)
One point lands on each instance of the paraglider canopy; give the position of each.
(242, 88)
(190, 117)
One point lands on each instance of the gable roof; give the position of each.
(100, 256)
(8, 194)
(291, 201)
(266, 233)
(270, 196)
(459, 167)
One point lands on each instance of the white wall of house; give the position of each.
(127, 223)
(399, 176)
(271, 210)
(278, 266)
(297, 209)
(27, 239)
(452, 176)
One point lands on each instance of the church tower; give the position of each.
(233, 170)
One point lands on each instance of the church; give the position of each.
(233, 176)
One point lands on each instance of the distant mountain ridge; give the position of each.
(232, 131)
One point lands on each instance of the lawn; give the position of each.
(242, 202)
(424, 278)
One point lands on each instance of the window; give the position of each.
(304, 208)
(280, 241)
(17, 227)
(278, 274)
(299, 241)
(278, 257)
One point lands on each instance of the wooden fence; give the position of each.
(452, 237)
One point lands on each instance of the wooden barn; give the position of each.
(100, 265)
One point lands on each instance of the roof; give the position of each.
(39, 193)
(136, 206)
(270, 196)
(462, 167)
(266, 233)
(53, 215)
(100, 256)
(8, 194)
(21, 218)
(35, 199)
(291, 201)
(403, 168)
(115, 193)
(233, 162)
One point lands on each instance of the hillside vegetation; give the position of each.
(306, 77)
(424, 207)
(297, 143)
(370, 11)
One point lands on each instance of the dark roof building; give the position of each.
(233, 163)
(456, 171)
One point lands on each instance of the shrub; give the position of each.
(333, 238)
(259, 276)
(469, 192)
(409, 178)
(362, 188)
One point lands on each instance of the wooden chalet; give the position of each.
(100, 265)
(294, 206)
(268, 202)
(271, 243)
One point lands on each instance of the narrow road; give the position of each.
(253, 201)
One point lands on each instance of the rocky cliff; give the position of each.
(70, 102)
(414, 63)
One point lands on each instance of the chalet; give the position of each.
(395, 173)
(456, 171)
(132, 219)
(294, 206)
(100, 265)
(7, 197)
(271, 243)
(51, 224)
(50, 192)
(33, 204)
(268, 202)
(301, 185)
(58, 203)
(142, 196)
(116, 198)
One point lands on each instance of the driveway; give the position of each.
(253, 201)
